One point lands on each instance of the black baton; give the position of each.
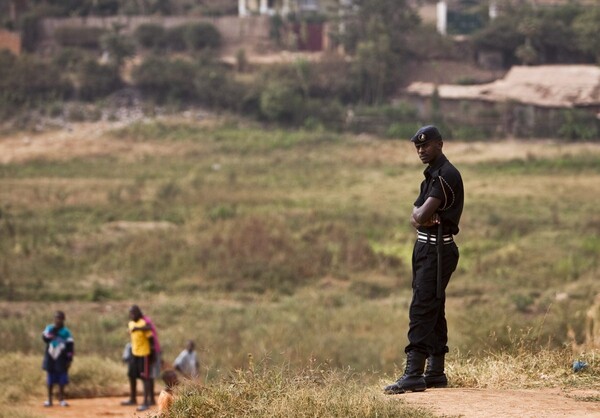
(439, 291)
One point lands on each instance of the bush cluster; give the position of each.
(203, 81)
(189, 37)
(529, 35)
(30, 80)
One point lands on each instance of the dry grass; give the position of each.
(330, 280)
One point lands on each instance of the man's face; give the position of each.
(429, 151)
(134, 314)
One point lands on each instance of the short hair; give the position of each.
(170, 377)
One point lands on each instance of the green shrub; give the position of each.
(97, 80)
(579, 125)
(29, 80)
(162, 79)
(329, 114)
(215, 87)
(70, 58)
(202, 35)
(175, 38)
(151, 36)
(281, 103)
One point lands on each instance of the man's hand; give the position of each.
(434, 220)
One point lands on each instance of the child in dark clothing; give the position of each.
(58, 357)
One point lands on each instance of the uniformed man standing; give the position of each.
(435, 216)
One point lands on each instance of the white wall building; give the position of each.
(271, 7)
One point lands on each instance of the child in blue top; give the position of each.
(57, 356)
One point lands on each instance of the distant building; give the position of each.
(10, 41)
(282, 7)
(526, 100)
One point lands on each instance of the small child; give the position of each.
(186, 362)
(58, 356)
(166, 398)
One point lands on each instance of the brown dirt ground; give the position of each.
(451, 402)
(92, 408)
(504, 403)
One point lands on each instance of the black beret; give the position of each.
(426, 134)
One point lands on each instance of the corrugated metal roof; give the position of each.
(545, 85)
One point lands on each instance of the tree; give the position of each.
(118, 47)
(501, 35)
(375, 31)
(392, 17)
(543, 35)
(587, 32)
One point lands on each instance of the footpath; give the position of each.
(449, 402)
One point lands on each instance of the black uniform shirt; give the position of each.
(443, 181)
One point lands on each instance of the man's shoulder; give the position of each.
(137, 324)
(66, 332)
(449, 169)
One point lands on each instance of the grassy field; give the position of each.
(293, 246)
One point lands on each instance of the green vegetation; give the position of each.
(180, 66)
(293, 246)
(536, 35)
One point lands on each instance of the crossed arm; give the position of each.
(426, 215)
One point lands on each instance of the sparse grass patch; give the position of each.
(280, 392)
(524, 366)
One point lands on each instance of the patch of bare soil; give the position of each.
(79, 140)
(92, 408)
(504, 403)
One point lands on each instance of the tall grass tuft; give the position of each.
(525, 364)
(280, 392)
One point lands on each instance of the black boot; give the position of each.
(412, 380)
(434, 374)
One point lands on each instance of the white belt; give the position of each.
(432, 238)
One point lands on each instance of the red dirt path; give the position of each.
(451, 402)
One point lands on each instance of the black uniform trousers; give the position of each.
(428, 330)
